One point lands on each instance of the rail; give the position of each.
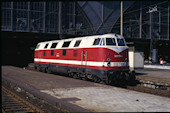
(13, 103)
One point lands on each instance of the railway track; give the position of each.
(159, 92)
(11, 103)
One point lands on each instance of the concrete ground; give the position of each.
(89, 95)
(157, 66)
(154, 75)
(112, 99)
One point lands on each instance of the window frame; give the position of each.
(102, 42)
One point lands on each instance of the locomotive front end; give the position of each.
(117, 60)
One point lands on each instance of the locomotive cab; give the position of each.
(116, 56)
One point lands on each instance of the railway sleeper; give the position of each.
(16, 107)
(16, 110)
(12, 104)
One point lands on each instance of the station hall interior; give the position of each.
(24, 24)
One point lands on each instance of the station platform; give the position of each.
(85, 96)
(157, 66)
(154, 78)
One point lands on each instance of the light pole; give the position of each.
(151, 10)
(150, 29)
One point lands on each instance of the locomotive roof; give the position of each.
(94, 36)
(86, 44)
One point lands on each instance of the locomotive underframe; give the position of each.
(116, 76)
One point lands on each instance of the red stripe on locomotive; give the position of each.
(93, 54)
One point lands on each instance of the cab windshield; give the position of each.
(110, 41)
(113, 42)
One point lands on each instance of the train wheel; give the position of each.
(38, 69)
(48, 70)
(44, 70)
(85, 78)
(70, 74)
(79, 75)
(75, 75)
(96, 79)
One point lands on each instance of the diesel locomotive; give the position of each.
(102, 58)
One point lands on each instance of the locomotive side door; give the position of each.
(84, 57)
(39, 56)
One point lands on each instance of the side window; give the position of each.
(75, 52)
(37, 46)
(54, 45)
(52, 52)
(102, 42)
(110, 41)
(66, 44)
(77, 43)
(46, 45)
(96, 41)
(64, 52)
(44, 53)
